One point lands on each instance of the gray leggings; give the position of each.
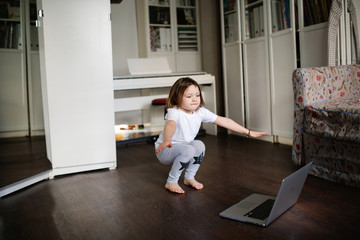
(182, 156)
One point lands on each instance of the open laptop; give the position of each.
(262, 209)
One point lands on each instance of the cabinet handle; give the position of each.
(41, 13)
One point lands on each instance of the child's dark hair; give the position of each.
(177, 92)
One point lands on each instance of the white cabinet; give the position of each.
(313, 32)
(170, 28)
(232, 61)
(282, 59)
(259, 56)
(33, 71)
(21, 105)
(256, 66)
(77, 80)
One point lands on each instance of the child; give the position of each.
(176, 144)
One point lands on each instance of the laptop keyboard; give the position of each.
(262, 211)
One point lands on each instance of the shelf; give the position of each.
(159, 3)
(160, 39)
(252, 3)
(186, 3)
(11, 50)
(316, 12)
(159, 15)
(10, 19)
(229, 12)
(131, 136)
(10, 32)
(280, 15)
(254, 19)
(187, 38)
(186, 16)
(187, 7)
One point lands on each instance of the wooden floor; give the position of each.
(131, 202)
(21, 158)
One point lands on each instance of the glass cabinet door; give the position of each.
(254, 19)
(10, 24)
(186, 25)
(316, 12)
(231, 28)
(280, 15)
(160, 28)
(34, 39)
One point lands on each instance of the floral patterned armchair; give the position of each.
(327, 122)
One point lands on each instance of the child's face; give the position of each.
(191, 99)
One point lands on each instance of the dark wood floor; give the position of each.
(131, 202)
(21, 158)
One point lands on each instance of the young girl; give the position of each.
(176, 144)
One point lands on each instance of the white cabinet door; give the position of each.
(234, 90)
(283, 64)
(35, 98)
(257, 85)
(256, 66)
(13, 93)
(232, 61)
(313, 34)
(313, 45)
(282, 49)
(77, 80)
(14, 120)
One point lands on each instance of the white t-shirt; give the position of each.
(187, 125)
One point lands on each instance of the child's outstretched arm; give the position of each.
(233, 126)
(169, 130)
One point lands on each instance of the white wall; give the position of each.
(124, 35)
(124, 46)
(211, 46)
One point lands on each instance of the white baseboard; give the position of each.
(283, 140)
(84, 168)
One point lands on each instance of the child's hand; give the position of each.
(163, 145)
(257, 134)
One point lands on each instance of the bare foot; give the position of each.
(174, 187)
(192, 182)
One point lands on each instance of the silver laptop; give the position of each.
(262, 209)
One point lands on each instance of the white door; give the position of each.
(282, 49)
(234, 83)
(77, 81)
(256, 67)
(232, 61)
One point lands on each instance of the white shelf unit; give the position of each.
(282, 62)
(313, 33)
(232, 61)
(257, 70)
(258, 63)
(20, 89)
(256, 66)
(170, 29)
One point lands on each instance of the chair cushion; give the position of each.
(159, 101)
(336, 118)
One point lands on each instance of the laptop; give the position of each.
(262, 209)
